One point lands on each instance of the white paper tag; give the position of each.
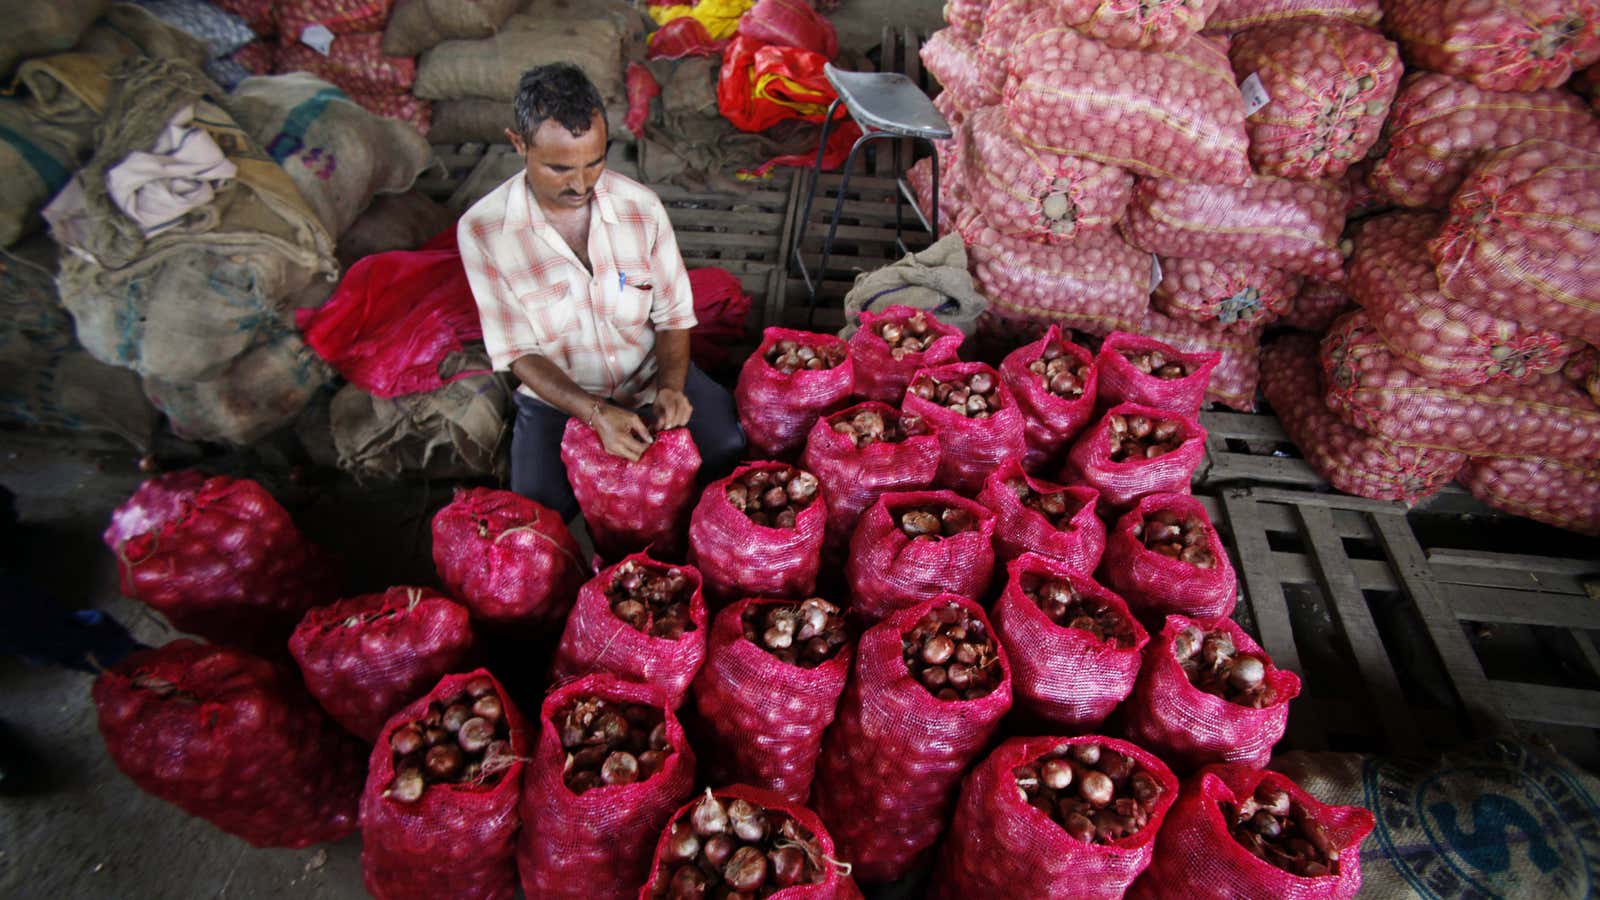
(318, 38)
(1155, 272)
(1255, 96)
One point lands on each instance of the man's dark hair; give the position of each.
(557, 91)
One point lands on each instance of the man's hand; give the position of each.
(621, 432)
(672, 409)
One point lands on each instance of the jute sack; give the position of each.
(392, 222)
(262, 390)
(476, 119)
(418, 25)
(338, 154)
(934, 279)
(128, 31)
(34, 29)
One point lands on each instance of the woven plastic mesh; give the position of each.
(1158, 25)
(777, 410)
(1566, 495)
(737, 558)
(1237, 15)
(1020, 529)
(1240, 295)
(1120, 382)
(887, 570)
(1522, 46)
(1050, 421)
(1155, 585)
(1094, 284)
(970, 448)
(631, 506)
(1033, 194)
(1237, 377)
(509, 559)
(1316, 306)
(1121, 484)
(879, 374)
(853, 477)
(952, 56)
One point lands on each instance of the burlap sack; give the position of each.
(262, 390)
(128, 31)
(34, 29)
(392, 222)
(338, 154)
(38, 159)
(418, 25)
(486, 121)
(935, 279)
(457, 431)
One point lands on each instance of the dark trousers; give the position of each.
(538, 473)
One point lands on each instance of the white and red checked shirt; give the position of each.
(534, 296)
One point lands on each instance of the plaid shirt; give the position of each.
(534, 296)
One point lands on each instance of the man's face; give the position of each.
(562, 167)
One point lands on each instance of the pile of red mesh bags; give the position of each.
(1029, 193)
(1316, 306)
(1093, 284)
(355, 63)
(233, 739)
(1240, 295)
(1237, 15)
(1161, 25)
(509, 559)
(1294, 225)
(1563, 494)
(218, 557)
(632, 505)
(1522, 46)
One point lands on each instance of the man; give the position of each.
(584, 297)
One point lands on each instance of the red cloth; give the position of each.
(395, 317)
(681, 37)
(642, 86)
(790, 23)
(720, 307)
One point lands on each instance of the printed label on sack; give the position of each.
(318, 38)
(1255, 96)
(1155, 272)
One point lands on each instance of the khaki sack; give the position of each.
(34, 28)
(490, 68)
(128, 32)
(485, 121)
(393, 222)
(418, 25)
(262, 390)
(458, 431)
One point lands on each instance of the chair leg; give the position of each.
(833, 223)
(811, 194)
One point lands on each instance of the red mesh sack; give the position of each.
(1238, 373)
(1330, 85)
(257, 14)
(775, 409)
(596, 844)
(1029, 193)
(966, 15)
(892, 761)
(1522, 46)
(970, 448)
(854, 477)
(1438, 126)
(1093, 284)
(836, 884)
(1317, 305)
(413, 111)
(1294, 225)
(952, 57)
(1392, 277)
(1347, 458)
(1050, 420)
(1154, 585)
(765, 717)
(355, 63)
(1188, 727)
(596, 640)
(888, 570)
(458, 839)
(630, 506)
(1002, 846)
(1020, 529)
(1161, 25)
(920, 179)
(218, 557)
(737, 557)
(1064, 676)
(1121, 484)
(1369, 389)
(790, 23)
(1195, 853)
(882, 372)
(233, 739)
(365, 657)
(1121, 382)
(1566, 495)
(338, 16)
(1523, 239)
(1241, 295)
(258, 57)
(1172, 114)
(509, 559)
(1237, 15)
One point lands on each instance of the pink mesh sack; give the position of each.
(1330, 86)
(951, 193)
(1316, 306)
(952, 56)
(855, 474)
(1523, 46)
(1236, 15)
(966, 15)
(1364, 198)
(232, 739)
(1523, 241)
(736, 557)
(1002, 846)
(1563, 494)
(355, 63)
(1122, 482)
(1349, 459)
(1392, 277)
(969, 448)
(1188, 727)
(1020, 528)
(1033, 194)
(765, 717)
(1439, 125)
(1161, 25)
(892, 732)
(509, 559)
(1294, 225)
(596, 844)
(458, 839)
(597, 640)
(1369, 389)
(889, 570)
(1122, 382)
(1238, 373)
(365, 657)
(1067, 677)
(1155, 585)
(1240, 295)
(777, 410)
(883, 371)
(1196, 852)
(1055, 401)
(1093, 284)
(1170, 114)
(629, 506)
(218, 557)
